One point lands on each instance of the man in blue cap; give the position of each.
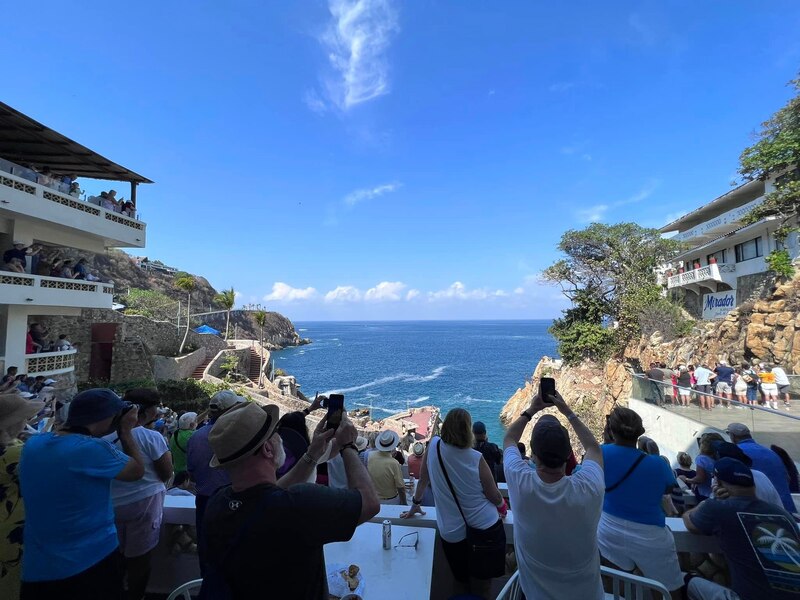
(70, 538)
(759, 539)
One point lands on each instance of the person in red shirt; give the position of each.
(415, 459)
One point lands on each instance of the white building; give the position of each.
(725, 260)
(37, 208)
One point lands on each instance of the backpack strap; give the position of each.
(447, 478)
(635, 464)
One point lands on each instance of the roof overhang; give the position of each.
(737, 197)
(28, 142)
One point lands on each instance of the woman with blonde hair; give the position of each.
(15, 411)
(705, 465)
(469, 507)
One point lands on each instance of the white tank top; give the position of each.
(462, 467)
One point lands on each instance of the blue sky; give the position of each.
(375, 159)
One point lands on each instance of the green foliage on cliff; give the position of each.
(780, 263)
(150, 304)
(608, 275)
(776, 153)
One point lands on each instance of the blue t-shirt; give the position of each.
(724, 374)
(760, 542)
(769, 463)
(638, 498)
(707, 463)
(69, 521)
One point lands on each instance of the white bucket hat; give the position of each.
(387, 441)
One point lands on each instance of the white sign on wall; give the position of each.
(719, 304)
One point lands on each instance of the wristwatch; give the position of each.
(527, 415)
(307, 410)
(415, 502)
(349, 445)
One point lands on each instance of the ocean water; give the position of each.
(389, 366)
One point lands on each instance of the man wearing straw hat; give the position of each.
(265, 536)
(385, 470)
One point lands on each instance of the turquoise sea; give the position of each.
(390, 365)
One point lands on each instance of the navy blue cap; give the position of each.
(731, 450)
(734, 472)
(93, 406)
(478, 428)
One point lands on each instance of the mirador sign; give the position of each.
(718, 304)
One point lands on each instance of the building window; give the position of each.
(748, 250)
(720, 255)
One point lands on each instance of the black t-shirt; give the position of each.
(761, 544)
(493, 457)
(280, 554)
(9, 255)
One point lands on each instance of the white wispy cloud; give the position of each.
(598, 212)
(561, 86)
(360, 195)
(385, 291)
(283, 292)
(459, 291)
(355, 41)
(343, 293)
(412, 294)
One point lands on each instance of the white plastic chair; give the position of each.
(633, 587)
(512, 590)
(184, 592)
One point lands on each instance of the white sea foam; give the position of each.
(420, 399)
(404, 377)
(302, 330)
(435, 374)
(471, 399)
(374, 408)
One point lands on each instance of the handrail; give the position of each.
(45, 281)
(710, 395)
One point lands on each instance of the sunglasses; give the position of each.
(410, 543)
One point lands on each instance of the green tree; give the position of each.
(187, 283)
(227, 300)
(608, 273)
(150, 304)
(261, 320)
(776, 154)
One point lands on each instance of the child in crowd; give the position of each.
(685, 469)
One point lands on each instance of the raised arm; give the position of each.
(586, 437)
(357, 476)
(307, 464)
(134, 470)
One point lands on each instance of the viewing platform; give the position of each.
(706, 277)
(37, 290)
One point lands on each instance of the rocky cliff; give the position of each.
(122, 269)
(765, 330)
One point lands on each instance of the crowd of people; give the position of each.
(15, 260)
(109, 201)
(763, 384)
(85, 499)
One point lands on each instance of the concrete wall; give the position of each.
(243, 354)
(672, 432)
(181, 367)
(136, 341)
(751, 287)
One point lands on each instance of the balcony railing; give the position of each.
(17, 194)
(21, 288)
(50, 363)
(712, 272)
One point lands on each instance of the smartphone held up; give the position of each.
(547, 389)
(335, 406)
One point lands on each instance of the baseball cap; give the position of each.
(92, 406)
(734, 472)
(224, 399)
(550, 441)
(737, 429)
(478, 428)
(241, 430)
(731, 450)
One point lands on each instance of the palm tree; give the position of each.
(226, 299)
(187, 284)
(261, 320)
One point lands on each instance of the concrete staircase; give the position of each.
(255, 363)
(198, 372)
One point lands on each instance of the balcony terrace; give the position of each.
(61, 212)
(37, 290)
(706, 277)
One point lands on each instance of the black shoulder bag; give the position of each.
(487, 556)
(635, 464)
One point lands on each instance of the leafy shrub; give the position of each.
(665, 317)
(780, 263)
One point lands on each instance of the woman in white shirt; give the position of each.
(478, 505)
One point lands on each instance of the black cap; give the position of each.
(93, 406)
(550, 441)
(478, 428)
